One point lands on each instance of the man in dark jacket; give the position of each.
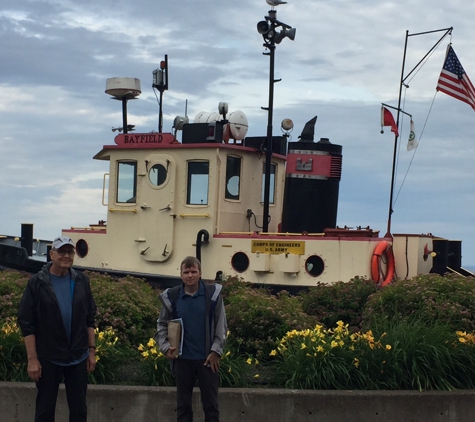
(56, 317)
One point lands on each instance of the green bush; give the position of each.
(424, 355)
(234, 287)
(339, 302)
(110, 357)
(403, 356)
(12, 285)
(256, 318)
(316, 359)
(127, 308)
(13, 361)
(155, 366)
(233, 371)
(129, 305)
(449, 300)
(400, 346)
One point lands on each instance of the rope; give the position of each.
(415, 150)
(425, 123)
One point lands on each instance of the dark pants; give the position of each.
(75, 381)
(187, 372)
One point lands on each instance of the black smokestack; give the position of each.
(308, 131)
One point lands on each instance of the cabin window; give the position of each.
(157, 174)
(197, 183)
(272, 182)
(127, 182)
(233, 177)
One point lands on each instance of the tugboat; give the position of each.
(260, 208)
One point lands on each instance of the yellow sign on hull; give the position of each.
(278, 247)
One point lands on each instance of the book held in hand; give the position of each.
(175, 335)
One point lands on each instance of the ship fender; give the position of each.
(383, 248)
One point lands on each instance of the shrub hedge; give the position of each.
(339, 302)
(449, 299)
(258, 318)
(417, 353)
(129, 305)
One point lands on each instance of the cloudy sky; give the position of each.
(344, 62)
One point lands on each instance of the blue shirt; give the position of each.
(192, 309)
(63, 287)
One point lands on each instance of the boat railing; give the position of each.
(327, 233)
(134, 210)
(280, 234)
(91, 228)
(205, 215)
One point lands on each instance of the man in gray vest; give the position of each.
(200, 308)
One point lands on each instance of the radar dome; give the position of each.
(238, 125)
(123, 87)
(207, 117)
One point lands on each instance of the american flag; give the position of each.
(454, 81)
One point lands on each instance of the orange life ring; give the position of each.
(382, 248)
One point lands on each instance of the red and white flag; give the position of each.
(387, 119)
(454, 81)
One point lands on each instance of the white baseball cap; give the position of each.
(61, 241)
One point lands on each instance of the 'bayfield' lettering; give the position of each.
(150, 138)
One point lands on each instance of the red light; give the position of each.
(163, 65)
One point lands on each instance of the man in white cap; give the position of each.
(57, 318)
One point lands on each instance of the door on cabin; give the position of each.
(156, 208)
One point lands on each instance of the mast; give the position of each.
(267, 29)
(399, 111)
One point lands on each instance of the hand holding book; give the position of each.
(175, 337)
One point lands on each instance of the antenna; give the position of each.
(123, 89)
(160, 82)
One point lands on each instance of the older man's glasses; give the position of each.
(64, 253)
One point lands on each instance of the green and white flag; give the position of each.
(412, 141)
